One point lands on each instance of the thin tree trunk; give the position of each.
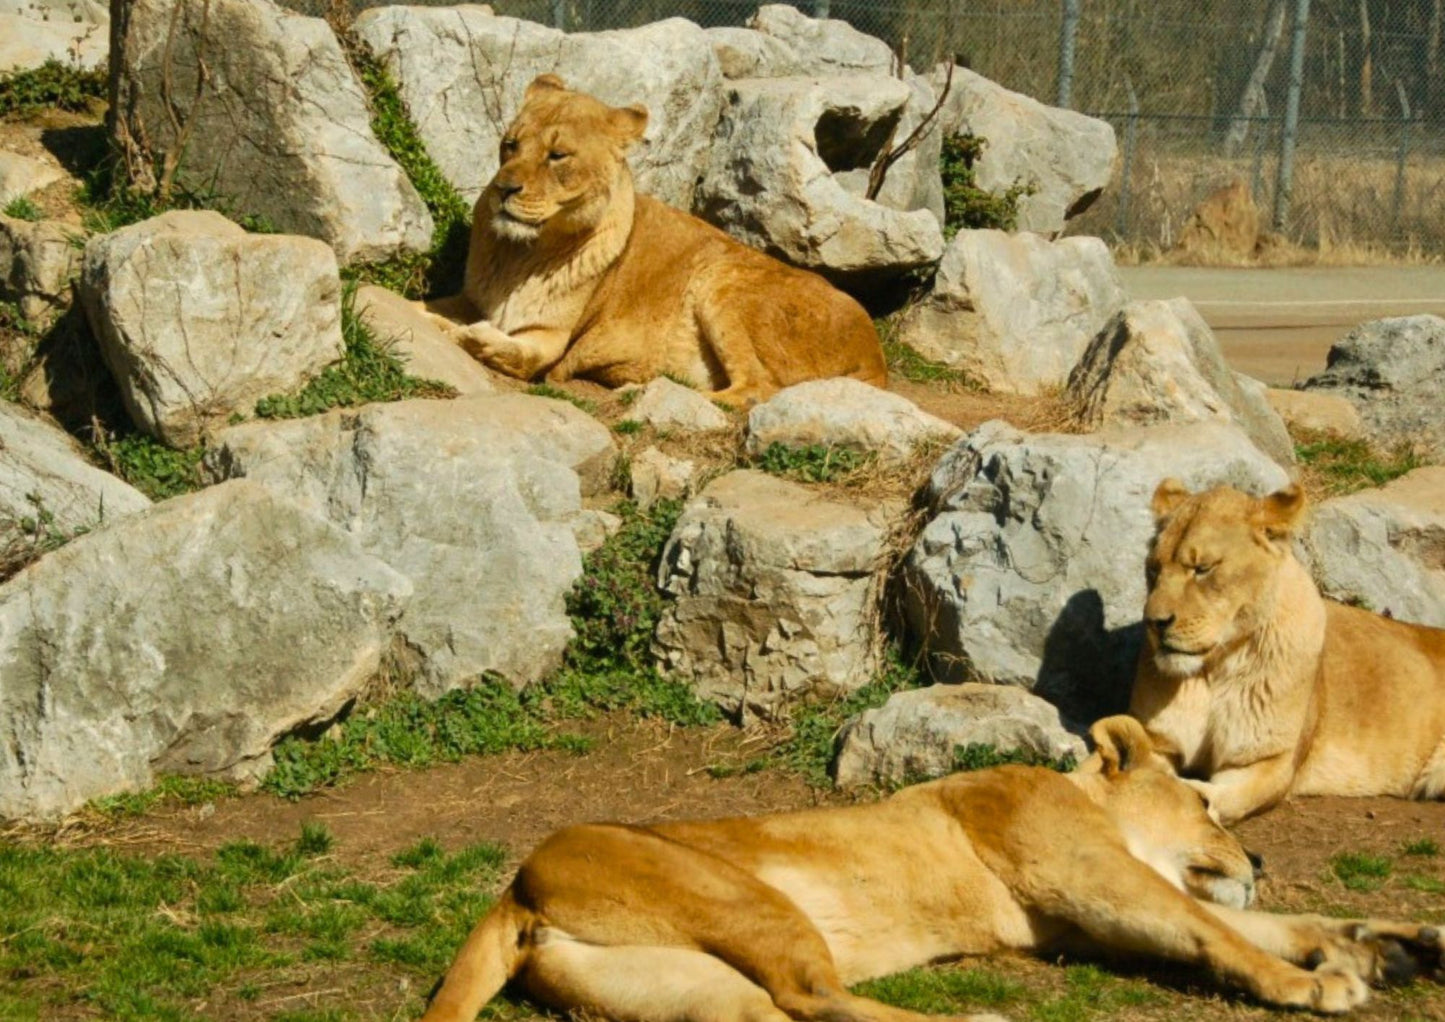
(1367, 70)
(1434, 78)
(1253, 94)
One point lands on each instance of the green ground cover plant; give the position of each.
(150, 466)
(558, 394)
(965, 205)
(1344, 466)
(812, 463)
(22, 208)
(52, 85)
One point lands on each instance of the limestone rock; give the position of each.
(1065, 157)
(1317, 412)
(185, 639)
(783, 161)
(825, 46)
(463, 72)
(774, 595)
(916, 733)
(746, 53)
(44, 478)
(38, 261)
(198, 320)
(668, 405)
(1393, 370)
(1015, 312)
(281, 127)
(1385, 548)
(1030, 571)
(846, 413)
(658, 476)
(592, 527)
(473, 500)
(419, 342)
(73, 32)
(1158, 362)
(22, 175)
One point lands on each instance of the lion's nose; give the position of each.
(508, 189)
(1161, 624)
(1257, 861)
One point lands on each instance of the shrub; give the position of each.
(965, 205)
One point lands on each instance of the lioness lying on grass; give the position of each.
(772, 918)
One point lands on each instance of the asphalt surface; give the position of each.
(1278, 325)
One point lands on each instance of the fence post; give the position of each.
(559, 14)
(1285, 181)
(1068, 32)
(1404, 151)
(1131, 131)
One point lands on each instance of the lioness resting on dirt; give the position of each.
(772, 918)
(575, 275)
(1252, 681)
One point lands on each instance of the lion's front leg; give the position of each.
(523, 355)
(1238, 793)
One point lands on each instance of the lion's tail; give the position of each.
(494, 951)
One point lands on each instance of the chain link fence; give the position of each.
(1199, 93)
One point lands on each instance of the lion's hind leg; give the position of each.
(1431, 782)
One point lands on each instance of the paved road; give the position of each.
(1278, 325)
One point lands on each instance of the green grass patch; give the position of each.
(812, 463)
(1344, 466)
(33, 535)
(903, 361)
(944, 991)
(53, 85)
(977, 756)
(558, 394)
(369, 371)
(1427, 885)
(174, 789)
(627, 427)
(967, 206)
(22, 208)
(150, 466)
(1361, 872)
(1426, 847)
(151, 937)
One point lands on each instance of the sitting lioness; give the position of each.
(772, 918)
(576, 275)
(1253, 682)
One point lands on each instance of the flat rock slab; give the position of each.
(917, 734)
(668, 405)
(74, 32)
(186, 639)
(846, 413)
(407, 331)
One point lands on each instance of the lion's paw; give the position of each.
(1384, 952)
(1337, 990)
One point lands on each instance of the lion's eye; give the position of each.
(556, 155)
(1200, 570)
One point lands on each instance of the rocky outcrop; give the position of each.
(198, 320)
(1158, 362)
(427, 353)
(22, 175)
(782, 176)
(47, 488)
(462, 73)
(1015, 312)
(1393, 370)
(774, 595)
(657, 476)
(73, 32)
(186, 639)
(668, 405)
(846, 413)
(1384, 549)
(823, 46)
(1315, 411)
(38, 262)
(473, 500)
(1030, 570)
(280, 127)
(1064, 158)
(918, 734)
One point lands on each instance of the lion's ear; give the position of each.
(629, 122)
(1121, 743)
(1168, 495)
(1281, 513)
(545, 83)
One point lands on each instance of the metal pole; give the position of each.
(559, 14)
(1285, 181)
(1404, 151)
(1068, 33)
(821, 9)
(1131, 132)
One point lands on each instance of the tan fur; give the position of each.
(1261, 687)
(773, 918)
(575, 275)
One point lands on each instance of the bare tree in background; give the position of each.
(1253, 96)
(1367, 70)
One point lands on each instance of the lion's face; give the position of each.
(1166, 823)
(560, 160)
(1212, 571)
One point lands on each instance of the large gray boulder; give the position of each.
(473, 500)
(783, 176)
(1158, 362)
(38, 262)
(1065, 158)
(186, 639)
(666, 404)
(823, 46)
(462, 73)
(199, 320)
(1385, 548)
(406, 330)
(21, 176)
(73, 32)
(280, 128)
(774, 595)
(917, 734)
(846, 413)
(1394, 372)
(1030, 570)
(1015, 312)
(48, 490)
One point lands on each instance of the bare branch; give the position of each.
(878, 173)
